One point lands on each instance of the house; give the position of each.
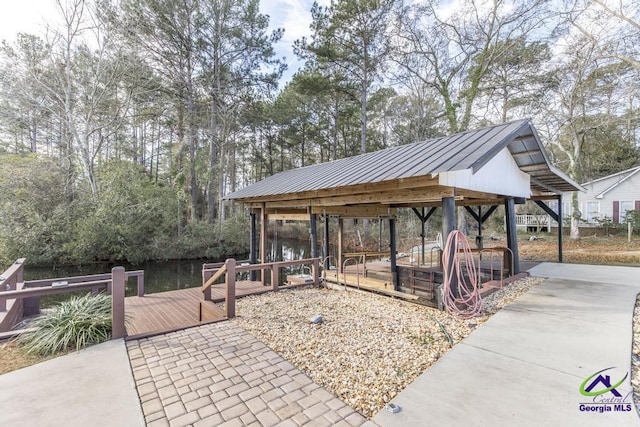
(609, 197)
(606, 198)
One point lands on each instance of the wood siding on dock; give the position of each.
(171, 310)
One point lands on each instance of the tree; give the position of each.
(350, 38)
(456, 54)
(585, 105)
(613, 26)
(239, 62)
(517, 80)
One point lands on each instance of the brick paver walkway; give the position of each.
(220, 375)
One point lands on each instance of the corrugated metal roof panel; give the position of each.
(466, 150)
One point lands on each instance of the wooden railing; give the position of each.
(539, 221)
(10, 278)
(19, 292)
(95, 282)
(230, 268)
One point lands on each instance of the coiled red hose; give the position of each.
(467, 303)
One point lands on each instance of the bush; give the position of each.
(75, 323)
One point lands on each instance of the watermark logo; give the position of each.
(604, 393)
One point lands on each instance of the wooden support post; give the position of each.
(560, 219)
(20, 272)
(479, 242)
(207, 293)
(314, 236)
(326, 243)
(424, 217)
(117, 303)
(252, 245)
(448, 216)
(263, 242)
(275, 276)
(512, 236)
(379, 234)
(140, 278)
(448, 225)
(340, 241)
(315, 271)
(422, 235)
(392, 248)
(230, 289)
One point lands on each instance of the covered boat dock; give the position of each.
(504, 165)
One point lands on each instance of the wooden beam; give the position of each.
(370, 187)
(547, 209)
(386, 197)
(289, 217)
(460, 201)
(526, 153)
(473, 214)
(486, 216)
(475, 194)
(535, 167)
(354, 211)
(544, 197)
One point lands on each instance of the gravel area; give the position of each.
(368, 347)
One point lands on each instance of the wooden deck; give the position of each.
(167, 311)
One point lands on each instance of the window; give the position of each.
(624, 207)
(593, 211)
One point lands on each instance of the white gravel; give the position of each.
(368, 347)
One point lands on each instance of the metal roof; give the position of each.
(465, 150)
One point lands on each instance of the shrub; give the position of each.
(75, 323)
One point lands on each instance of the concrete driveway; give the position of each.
(528, 363)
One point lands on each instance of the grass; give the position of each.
(590, 249)
(12, 357)
(72, 324)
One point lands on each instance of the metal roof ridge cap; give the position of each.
(504, 142)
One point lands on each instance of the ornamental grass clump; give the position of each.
(75, 323)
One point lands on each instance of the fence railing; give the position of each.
(14, 289)
(10, 278)
(532, 220)
(212, 272)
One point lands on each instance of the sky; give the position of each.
(293, 15)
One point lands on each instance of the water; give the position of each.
(160, 276)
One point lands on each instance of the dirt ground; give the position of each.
(590, 249)
(12, 358)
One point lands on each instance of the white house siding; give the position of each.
(500, 175)
(598, 200)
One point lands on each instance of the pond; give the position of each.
(159, 276)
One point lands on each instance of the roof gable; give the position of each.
(621, 177)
